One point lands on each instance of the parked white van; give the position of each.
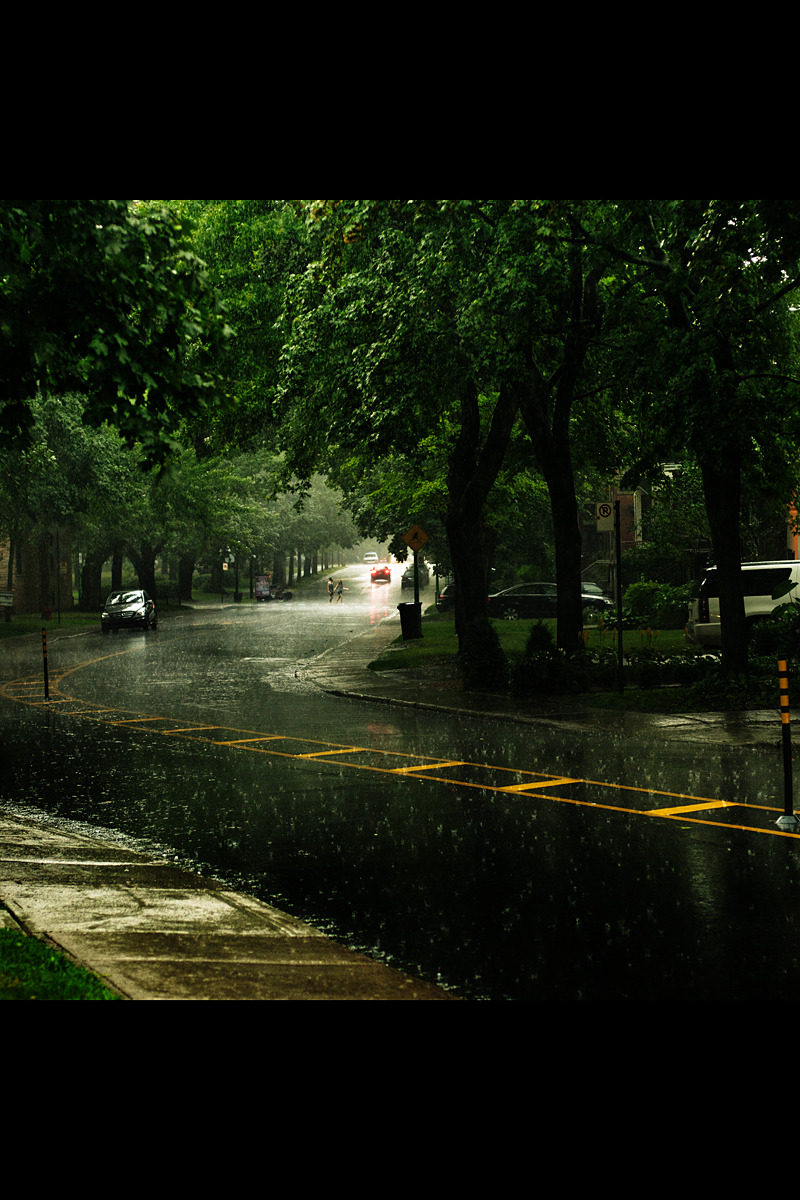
(761, 582)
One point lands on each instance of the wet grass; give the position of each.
(703, 690)
(439, 641)
(18, 626)
(31, 970)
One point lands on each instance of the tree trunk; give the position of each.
(10, 576)
(185, 574)
(473, 469)
(117, 560)
(547, 407)
(551, 446)
(722, 485)
(45, 555)
(92, 582)
(144, 561)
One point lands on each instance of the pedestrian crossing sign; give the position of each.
(415, 538)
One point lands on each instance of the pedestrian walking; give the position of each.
(330, 590)
(339, 589)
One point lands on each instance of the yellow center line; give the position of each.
(137, 720)
(327, 753)
(426, 767)
(528, 782)
(246, 741)
(685, 808)
(529, 787)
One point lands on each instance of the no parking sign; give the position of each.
(605, 517)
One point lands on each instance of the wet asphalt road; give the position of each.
(496, 895)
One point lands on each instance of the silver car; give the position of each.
(131, 609)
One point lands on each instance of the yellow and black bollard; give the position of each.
(44, 654)
(788, 820)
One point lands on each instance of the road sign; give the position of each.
(415, 538)
(6, 599)
(605, 517)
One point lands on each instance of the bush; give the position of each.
(779, 634)
(543, 668)
(658, 605)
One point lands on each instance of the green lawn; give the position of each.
(31, 970)
(19, 625)
(659, 672)
(439, 640)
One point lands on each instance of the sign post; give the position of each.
(44, 655)
(788, 820)
(415, 539)
(607, 515)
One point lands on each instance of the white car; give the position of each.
(371, 557)
(766, 585)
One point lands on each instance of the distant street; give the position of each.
(504, 861)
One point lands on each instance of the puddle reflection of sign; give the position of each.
(605, 517)
(415, 538)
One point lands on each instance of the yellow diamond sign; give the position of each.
(415, 538)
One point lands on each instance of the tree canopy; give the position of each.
(106, 298)
(432, 356)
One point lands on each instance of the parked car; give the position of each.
(370, 557)
(381, 574)
(408, 577)
(539, 600)
(132, 609)
(593, 589)
(761, 581)
(446, 599)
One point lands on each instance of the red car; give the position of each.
(380, 573)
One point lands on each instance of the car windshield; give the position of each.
(118, 598)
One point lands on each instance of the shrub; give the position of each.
(659, 605)
(779, 634)
(543, 668)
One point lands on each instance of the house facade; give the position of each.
(40, 573)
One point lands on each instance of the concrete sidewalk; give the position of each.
(156, 932)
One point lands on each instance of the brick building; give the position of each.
(41, 576)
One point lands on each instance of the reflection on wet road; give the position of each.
(501, 862)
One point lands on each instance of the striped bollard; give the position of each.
(44, 656)
(788, 820)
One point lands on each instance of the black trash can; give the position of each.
(410, 620)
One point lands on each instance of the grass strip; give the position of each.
(31, 970)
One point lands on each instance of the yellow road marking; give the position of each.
(342, 750)
(685, 808)
(528, 787)
(532, 781)
(427, 767)
(137, 720)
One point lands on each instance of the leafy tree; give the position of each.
(544, 323)
(105, 299)
(381, 349)
(250, 249)
(710, 349)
